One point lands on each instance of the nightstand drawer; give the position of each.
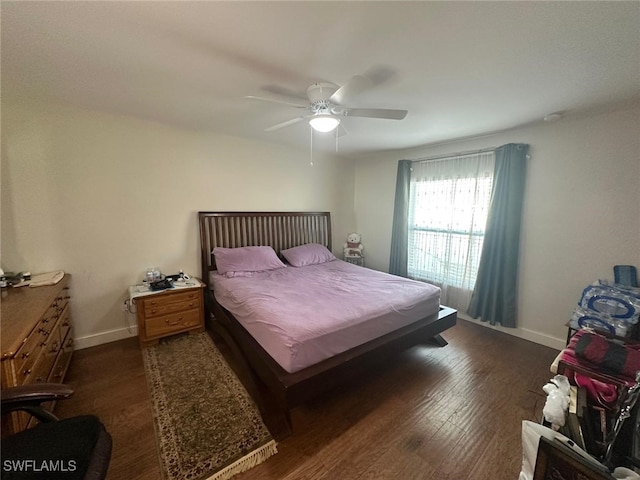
(175, 322)
(170, 303)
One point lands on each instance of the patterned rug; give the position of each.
(207, 426)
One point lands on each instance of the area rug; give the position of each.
(207, 426)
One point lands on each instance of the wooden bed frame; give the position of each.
(283, 230)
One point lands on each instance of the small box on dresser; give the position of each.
(37, 340)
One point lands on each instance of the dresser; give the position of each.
(168, 312)
(36, 340)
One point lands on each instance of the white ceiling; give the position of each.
(461, 68)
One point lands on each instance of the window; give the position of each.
(449, 204)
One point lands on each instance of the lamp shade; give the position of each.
(324, 123)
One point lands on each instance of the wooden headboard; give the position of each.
(280, 230)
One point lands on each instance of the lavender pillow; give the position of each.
(308, 254)
(246, 259)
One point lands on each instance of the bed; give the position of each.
(304, 375)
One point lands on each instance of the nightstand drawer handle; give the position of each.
(173, 323)
(26, 372)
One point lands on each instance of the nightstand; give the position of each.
(168, 312)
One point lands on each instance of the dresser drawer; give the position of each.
(170, 303)
(28, 353)
(62, 300)
(39, 372)
(173, 323)
(64, 324)
(62, 362)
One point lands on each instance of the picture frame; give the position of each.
(556, 461)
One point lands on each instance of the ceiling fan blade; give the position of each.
(284, 124)
(356, 85)
(379, 74)
(275, 100)
(383, 113)
(359, 83)
(286, 93)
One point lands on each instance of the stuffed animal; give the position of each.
(353, 247)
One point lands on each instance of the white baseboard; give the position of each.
(532, 336)
(104, 337)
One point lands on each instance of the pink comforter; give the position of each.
(302, 315)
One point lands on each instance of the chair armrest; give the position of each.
(34, 393)
(29, 398)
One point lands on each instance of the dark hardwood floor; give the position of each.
(431, 413)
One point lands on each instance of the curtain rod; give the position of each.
(449, 155)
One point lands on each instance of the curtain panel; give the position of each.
(400, 227)
(495, 293)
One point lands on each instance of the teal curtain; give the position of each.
(400, 228)
(495, 292)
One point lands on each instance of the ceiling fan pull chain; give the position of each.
(311, 147)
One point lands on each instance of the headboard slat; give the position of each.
(280, 230)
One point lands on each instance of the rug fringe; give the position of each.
(247, 462)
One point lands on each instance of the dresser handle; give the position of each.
(191, 304)
(25, 355)
(173, 323)
(54, 346)
(26, 372)
(45, 320)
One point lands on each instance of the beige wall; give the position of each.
(103, 197)
(581, 213)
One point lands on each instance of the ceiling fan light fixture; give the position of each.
(324, 123)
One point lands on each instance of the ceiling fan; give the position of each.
(327, 102)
